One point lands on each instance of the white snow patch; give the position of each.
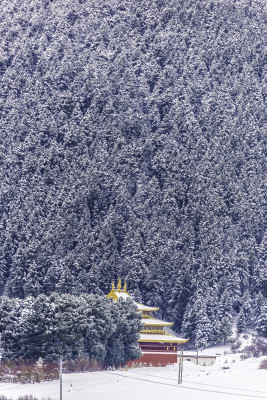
(230, 378)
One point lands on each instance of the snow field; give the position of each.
(229, 378)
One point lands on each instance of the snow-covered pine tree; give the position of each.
(241, 323)
(225, 328)
(261, 323)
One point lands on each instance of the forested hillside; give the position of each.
(54, 326)
(133, 144)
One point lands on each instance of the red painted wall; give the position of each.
(157, 360)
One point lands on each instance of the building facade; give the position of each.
(158, 347)
(199, 359)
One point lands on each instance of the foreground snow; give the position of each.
(229, 378)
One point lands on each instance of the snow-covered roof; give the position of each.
(158, 337)
(117, 294)
(154, 321)
(190, 354)
(142, 307)
(122, 295)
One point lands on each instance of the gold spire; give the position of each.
(125, 287)
(113, 286)
(119, 284)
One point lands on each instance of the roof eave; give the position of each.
(170, 340)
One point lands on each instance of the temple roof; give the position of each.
(155, 321)
(164, 337)
(119, 293)
(122, 295)
(142, 307)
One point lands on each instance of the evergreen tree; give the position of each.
(135, 149)
(122, 345)
(70, 326)
(241, 322)
(203, 328)
(33, 281)
(225, 328)
(261, 323)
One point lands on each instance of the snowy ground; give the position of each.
(242, 380)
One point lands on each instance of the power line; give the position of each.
(199, 383)
(228, 387)
(10, 387)
(76, 394)
(188, 387)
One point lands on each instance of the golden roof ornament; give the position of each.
(125, 287)
(113, 286)
(119, 284)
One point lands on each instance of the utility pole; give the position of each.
(197, 353)
(60, 378)
(180, 370)
(178, 365)
(182, 366)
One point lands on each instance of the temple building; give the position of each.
(159, 347)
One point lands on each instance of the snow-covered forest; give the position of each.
(69, 326)
(133, 145)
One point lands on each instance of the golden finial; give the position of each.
(125, 287)
(119, 284)
(113, 286)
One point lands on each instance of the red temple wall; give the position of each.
(155, 359)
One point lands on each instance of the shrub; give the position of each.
(262, 346)
(30, 372)
(27, 371)
(82, 365)
(25, 397)
(257, 349)
(263, 364)
(236, 346)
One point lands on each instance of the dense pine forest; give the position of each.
(88, 326)
(133, 145)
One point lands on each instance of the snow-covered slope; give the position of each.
(229, 378)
